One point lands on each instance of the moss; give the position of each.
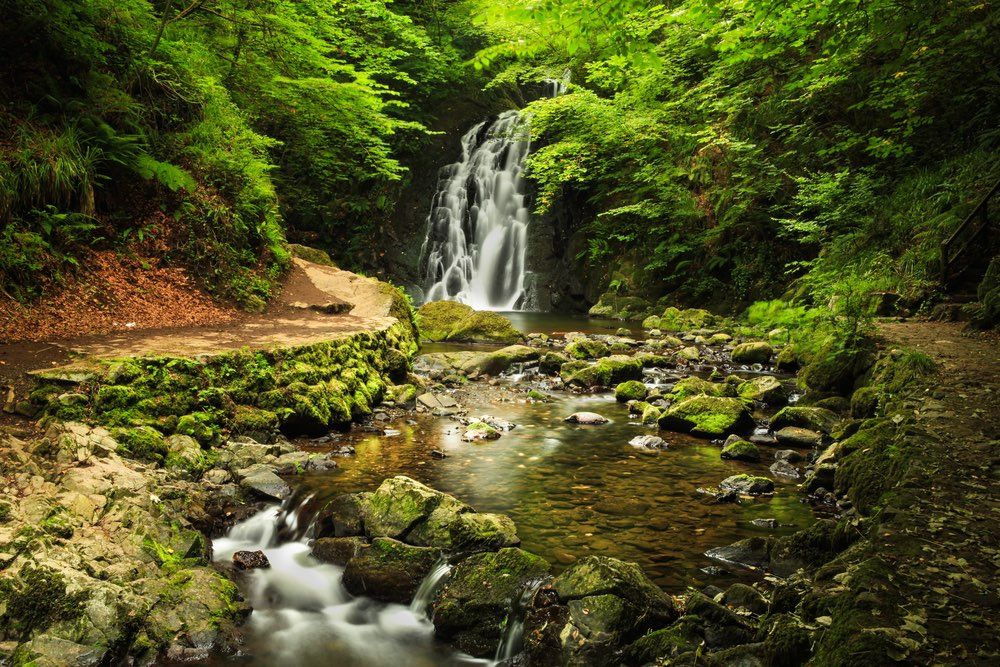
(604, 373)
(689, 353)
(538, 397)
(675, 319)
(708, 416)
(116, 396)
(864, 402)
(787, 359)
(35, 600)
(5, 512)
(247, 419)
(141, 442)
(816, 419)
(695, 386)
(741, 450)
(836, 370)
(837, 404)
(314, 255)
(630, 390)
(199, 425)
(586, 348)
(872, 461)
(683, 636)
(765, 388)
(450, 320)
(752, 353)
(788, 643)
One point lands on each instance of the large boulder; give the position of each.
(471, 610)
(696, 386)
(450, 320)
(752, 353)
(765, 388)
(389, 570)
(676, 319)
(399, 504)
(587, 348)
(814, 419)
(610, 603)
(454, 526)
(340, 517)
(603, 373)
(707, 416)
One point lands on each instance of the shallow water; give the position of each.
(575, 490)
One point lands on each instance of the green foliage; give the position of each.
(731, 140)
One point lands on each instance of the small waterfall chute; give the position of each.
(429, 587)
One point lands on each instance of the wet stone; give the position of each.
(250, 560)
(591, 418)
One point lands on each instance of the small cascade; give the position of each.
(512, 640)
(302, 615)
(476, 242)
(429, 587)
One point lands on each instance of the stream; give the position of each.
(572, 490)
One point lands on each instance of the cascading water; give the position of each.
(476, 231)
(303, 616)
(476, 240)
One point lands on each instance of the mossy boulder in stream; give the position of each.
(603, 373)
(389, 570)
(815, 419)
(610, 603)
(587, 348)
(752, 353)
(397, 506)
(630, 390)
(471, 610)
(681, 637)
(740, 450)
(766, 389)
(696, 386)
(707, 416)
(454, 321)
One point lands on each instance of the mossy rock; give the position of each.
(587, 348)
(617, 307)
(741, 450)
(766, 389)
(141, 442)
(689, 353)
(314, 255)
(252, 421)
(836, 371)
(707, 416)
(676, 319)
(397, 506)
(472, 608)
(681, 637)
(696, 386)
(865, 401)
(550, 362)
(787, 642)
(751, 485)
(788, 359)
(454, 321)
(757, 352)
(812, 418)
(631, 390)
(871, 462)
(603, 373)
(494, 363)
(389, 570)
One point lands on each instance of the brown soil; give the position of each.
(113, 293)
(943, 537)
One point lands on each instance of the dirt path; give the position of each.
(943, 536)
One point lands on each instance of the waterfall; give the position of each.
(476, 242)
(429, 587)
(476, 231)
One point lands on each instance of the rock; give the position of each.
(822, 476)
(785, 469)
(655, 333)
(763, 440)
(436, 401)
(591, 418)
(707, 416)
(497, 361)
(217, 476)
(648, 442)
(752, 552)
(793, 436)
(722, 627)
(389, 570)
(789, 455)
(696, 386)
(612, 305)
(603, 373)
(478, 431)
(470, 609)
(741, 450)
(769, 523)
(631, 390)
(550, 363)
(340, 517)
(787, 359)
(815, 419)
(337, 550)
(250, 560)
(750, 485)
(684, 636)
(752, 353)
(766, 389)
(398, 505)
(450, 320)
(498, 423)
(689, 353)
(454, 526)
(264, 482)
(587, 348)
(610, 602)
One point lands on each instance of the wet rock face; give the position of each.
(250, 560)
(389, 570)
(610, 602)
(337, 550)
(471, 609)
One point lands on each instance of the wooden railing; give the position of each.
(962, 239)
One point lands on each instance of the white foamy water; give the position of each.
(304, 616)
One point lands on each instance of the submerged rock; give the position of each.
(648, 442)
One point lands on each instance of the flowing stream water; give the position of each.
(572, 491)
